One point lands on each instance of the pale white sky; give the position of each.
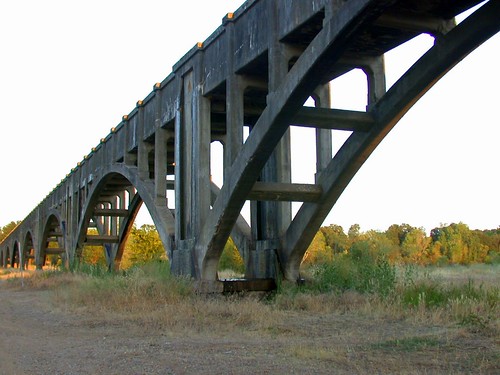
(70, 70)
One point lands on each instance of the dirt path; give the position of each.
(36, 338)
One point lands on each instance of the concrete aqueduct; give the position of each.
(255, 72)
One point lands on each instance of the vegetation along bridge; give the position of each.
(244, 87)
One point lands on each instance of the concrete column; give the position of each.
(234, 105)
(160, 149)
(128, 157)
(142, 147)
(323, 136)
(192, 168)
(375, 73)
(271, 219)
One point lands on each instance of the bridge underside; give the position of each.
(244, 87)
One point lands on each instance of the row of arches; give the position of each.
(103, 217)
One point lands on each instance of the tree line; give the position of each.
(403, 243)
(399, 244)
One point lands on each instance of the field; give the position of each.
(432, 320)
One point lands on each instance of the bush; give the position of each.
(359, 271)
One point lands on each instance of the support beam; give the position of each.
(114, 212)
(333, 119)
(101, 239)
(418, 24)
(269, 191)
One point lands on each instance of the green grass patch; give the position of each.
(409, 344)
(432, 294)
(361, 274)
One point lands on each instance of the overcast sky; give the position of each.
(70, 70)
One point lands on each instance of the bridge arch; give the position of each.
(447, 51)
(16, 256)
(5, 258)
(28, 250)
(52, 241)
(112, 206)
(314, 66)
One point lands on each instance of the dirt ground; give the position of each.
(38, 338)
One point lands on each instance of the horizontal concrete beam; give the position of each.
(99, 240)
(334, 119)
(419, 24)
(271, 191)
(110, 212)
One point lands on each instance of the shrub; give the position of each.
(360, 271)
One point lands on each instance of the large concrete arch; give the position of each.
(311, 69)
(426, 72)
(52, 239)
(162, 218)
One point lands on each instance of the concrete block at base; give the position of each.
(182, 263)
(262, 262)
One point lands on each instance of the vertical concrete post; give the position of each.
(234, 102)
(160, 150)
(184, 144)
(142, 147)
(39, 233)
(128, 157)
(375, 73)
(192, 169)
(323, 136)
(178, 157)
(270, 219)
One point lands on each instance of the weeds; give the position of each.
(149, 293)
(357, 273)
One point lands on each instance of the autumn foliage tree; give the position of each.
(5, 230)
(143, 245)
(448, 244)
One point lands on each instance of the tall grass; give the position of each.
(150, 294)
(360, 275)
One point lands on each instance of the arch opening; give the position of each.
(52, 252)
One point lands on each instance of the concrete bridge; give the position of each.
(251, 76)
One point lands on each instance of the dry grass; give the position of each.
(351, 331)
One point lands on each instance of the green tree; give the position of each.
(318, 251)
(5, 230)
(335, 239)
(415, 246)
(397, 233)
(490, 239)
(354, 232)
(143, 245)
(461, 245)
(381, 245)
